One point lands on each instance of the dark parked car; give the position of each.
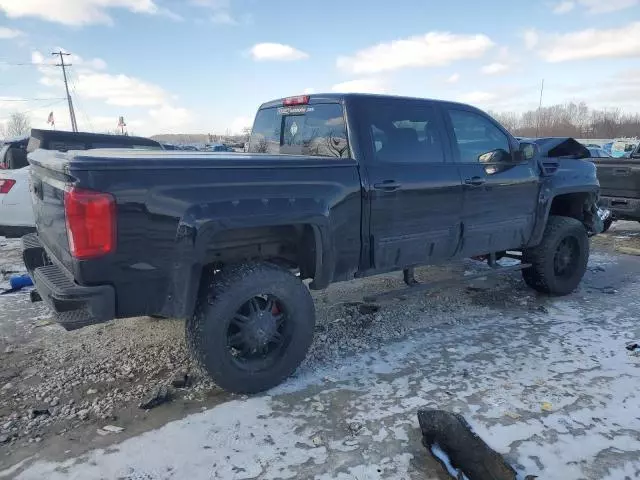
(620, 186)
(334, 187)
(13, 153)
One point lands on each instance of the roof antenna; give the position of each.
(539, 109)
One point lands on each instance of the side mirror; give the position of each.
(527, 151)
(496, 156)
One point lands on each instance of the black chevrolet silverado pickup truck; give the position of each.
(620, 186)
(332, 188)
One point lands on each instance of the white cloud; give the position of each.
(223, 18)
(309, 90)
(362, 85)
(563, 7)
(495, 68)
(597, 7)
(238, 124)
(618, 42)
(478, 97)
(120, 90)
(78, 12)
(454, 78)
(8, 33)
(276, 51)
(77, 61)
(432, 49)
(531, 38)
(169, 119)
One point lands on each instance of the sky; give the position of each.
(204, 66)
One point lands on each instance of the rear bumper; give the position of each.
(74, 306)
(622, 208)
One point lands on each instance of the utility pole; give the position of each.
(72, 113)
(539, 109)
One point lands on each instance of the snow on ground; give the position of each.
(554, 392)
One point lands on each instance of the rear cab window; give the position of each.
(316, 129)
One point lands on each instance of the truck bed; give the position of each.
(169, 206)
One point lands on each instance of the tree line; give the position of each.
(17, 125)
(571, 120)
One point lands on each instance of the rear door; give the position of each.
(415, 193)
(500, 194)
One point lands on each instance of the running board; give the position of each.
(423, 287)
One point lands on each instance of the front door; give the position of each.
(415, 192)
(500, 193)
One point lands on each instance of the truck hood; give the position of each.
(555, 147)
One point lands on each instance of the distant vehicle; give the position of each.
(169, 146)
(16, 213)
(623, 148)
(13, 153)
(189, 148)
(598, 152)
(620, 185)
(334, 187)
(218, 147)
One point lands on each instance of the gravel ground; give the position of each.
(59, 389)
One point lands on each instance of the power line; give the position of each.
(72, 114)
(26, 64)
(80, 106)
(46, 106)
(30, 99)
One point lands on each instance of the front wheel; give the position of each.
(560, 261)
(252, 326)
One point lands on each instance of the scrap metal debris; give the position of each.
(180, 380)
(462, 453)
(157, 397)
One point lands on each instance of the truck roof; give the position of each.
(340, 97)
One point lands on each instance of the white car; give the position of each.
(16, 212)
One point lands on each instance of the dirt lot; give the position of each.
(524, 369)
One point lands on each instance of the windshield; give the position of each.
(311, 130)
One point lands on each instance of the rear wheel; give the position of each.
(252, 326)
(560, 261)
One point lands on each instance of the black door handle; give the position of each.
(387, 185)
(475, 181)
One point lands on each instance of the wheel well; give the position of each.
(290, 246)
(574, 205)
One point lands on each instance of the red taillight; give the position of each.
(91, 222)
(299, 100)
(6, 184)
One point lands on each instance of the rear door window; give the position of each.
(403, 131)
(310, 130)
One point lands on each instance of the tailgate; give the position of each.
(619, 177)
(47, 182)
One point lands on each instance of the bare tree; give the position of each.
(571, 120)
(18, 124)
(246, 133)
